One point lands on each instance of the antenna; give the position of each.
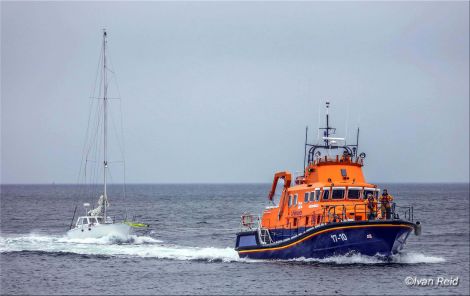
(357, 141)
(346, 124)
(327, 123)
(305, 147)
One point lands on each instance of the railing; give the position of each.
(249, 222)
(338, 213)
(337, 158)
(330, 214)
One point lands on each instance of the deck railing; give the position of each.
(330, 214)
(380, 211)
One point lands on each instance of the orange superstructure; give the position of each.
(332, 188)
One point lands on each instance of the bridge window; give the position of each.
(306, 196)
(312, 196)
(317, 194)
(290, 200)
(295, 199)
(326, 194)
(338, 193)
(354, 193)
(368, 191)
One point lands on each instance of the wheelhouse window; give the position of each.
(295, 199)
(312, 196)
(306, 196)
(290, 200)
(354, 192)
(338, 193)
(84, 221)
(326, 193)
(317, 194)
(368, 191)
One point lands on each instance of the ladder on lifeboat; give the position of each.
(264, 236)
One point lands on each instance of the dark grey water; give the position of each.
(189, 246)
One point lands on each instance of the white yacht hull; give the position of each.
(119, 230)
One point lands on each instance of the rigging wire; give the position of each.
(91, 168)
(82, 168)
(122, 129)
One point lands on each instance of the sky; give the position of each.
(218, 92)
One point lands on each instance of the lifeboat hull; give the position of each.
(370, 238)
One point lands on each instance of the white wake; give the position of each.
(136, 246)
(400, 258)
(148, 247)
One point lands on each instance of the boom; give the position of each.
(287, 176)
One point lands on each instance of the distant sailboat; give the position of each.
(96, 223)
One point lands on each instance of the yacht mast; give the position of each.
(105, 123)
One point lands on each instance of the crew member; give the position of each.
(345, 156)
(386, 205)
(371, 206)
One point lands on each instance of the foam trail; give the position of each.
(401, 258)
(413, 258)
(148, 247)
(137, 246)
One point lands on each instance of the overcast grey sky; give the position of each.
(221, 92)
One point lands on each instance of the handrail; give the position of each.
(341, 212)
(249, 222)
(332, 213)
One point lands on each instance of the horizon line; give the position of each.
(230, 183)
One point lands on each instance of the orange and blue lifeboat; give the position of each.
(330, 210)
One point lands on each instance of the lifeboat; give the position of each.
(329, 210)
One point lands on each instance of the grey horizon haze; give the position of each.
(222, 91)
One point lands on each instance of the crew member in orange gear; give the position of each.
(371, 206)
(386, 205)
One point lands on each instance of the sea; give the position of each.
(189, 246)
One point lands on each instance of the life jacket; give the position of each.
(386, 200)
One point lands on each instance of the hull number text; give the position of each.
(338, 237)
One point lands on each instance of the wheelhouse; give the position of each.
(89, 220)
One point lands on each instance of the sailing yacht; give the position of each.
(96, 223)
